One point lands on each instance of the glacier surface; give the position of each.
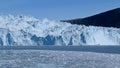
(21, 30)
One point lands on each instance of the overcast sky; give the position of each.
(57, 9)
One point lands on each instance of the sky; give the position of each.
(57, 9)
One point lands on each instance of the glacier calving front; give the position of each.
(23, 30)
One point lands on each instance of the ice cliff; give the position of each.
(23, 30)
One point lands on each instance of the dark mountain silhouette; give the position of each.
(106, 19)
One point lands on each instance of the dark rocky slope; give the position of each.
(106, 19)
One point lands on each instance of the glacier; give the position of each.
(21, 30)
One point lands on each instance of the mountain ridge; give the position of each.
(109, 18)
